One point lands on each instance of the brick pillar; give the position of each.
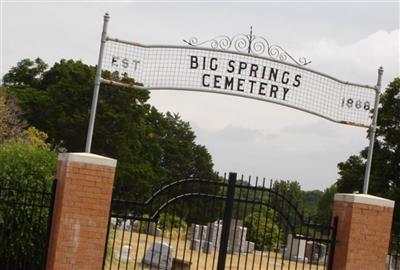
(363, 234)
(81, 209)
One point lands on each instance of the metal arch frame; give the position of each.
(376, 88)
(154, 216)
(133, 86)
(98, 80)
(154, 46)
(287, 218)
(206, 181)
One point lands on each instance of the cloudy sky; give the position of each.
(348, 40)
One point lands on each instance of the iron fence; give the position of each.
(216, 224)
(25, 221)
(393, 260)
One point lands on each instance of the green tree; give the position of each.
(27, 72)
(325, 204)
(261, 230)
(310, 201)
(152, 148)
(351, 174)
(290, 190)
(169, 222)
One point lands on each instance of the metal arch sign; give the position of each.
(221, 70)
(241, 74)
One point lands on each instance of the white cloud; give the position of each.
(359, 61)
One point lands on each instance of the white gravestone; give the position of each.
(124, 225)
(195, 244)
(123, 255)
(214, 233)
(250, 247)
(295, 248)
(198, 234)
(159, 255)
(208, 247)
(113, 221)
(247, 247)
(237, 239)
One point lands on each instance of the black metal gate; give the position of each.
(25, 221)
(393, 262)
(216, 224)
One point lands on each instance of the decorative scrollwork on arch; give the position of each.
(241, 42)
(220, 42)
(259, 45)
(248, 43)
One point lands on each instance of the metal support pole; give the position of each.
(226, 222)
(250, 39)
(372, 132)
(96, 85)
(333, 243)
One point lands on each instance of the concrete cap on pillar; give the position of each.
(364, 199)
(88, 158)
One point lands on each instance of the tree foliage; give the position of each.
(11, 124)
(310, 200)
(27, 73)
(261, 229)
(291, 189)
(325, 204)
(27, 171)
(169, 222)
(152, 148)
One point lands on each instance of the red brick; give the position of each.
(80, 215)
(363, 236)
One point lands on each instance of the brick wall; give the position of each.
(363, 232)
(81, 211)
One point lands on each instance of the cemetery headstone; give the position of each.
(248, 247)
(315, 252)
(198, 235)
(237, 237)
(208, 247)
(136, 226)
(125, 225)
(214, 233)
(295, 248)
(159, 255)
(195, 244)
(114, 221)
(123, 255)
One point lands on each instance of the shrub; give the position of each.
(261, 230)
(168, 222)
(26, 172)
